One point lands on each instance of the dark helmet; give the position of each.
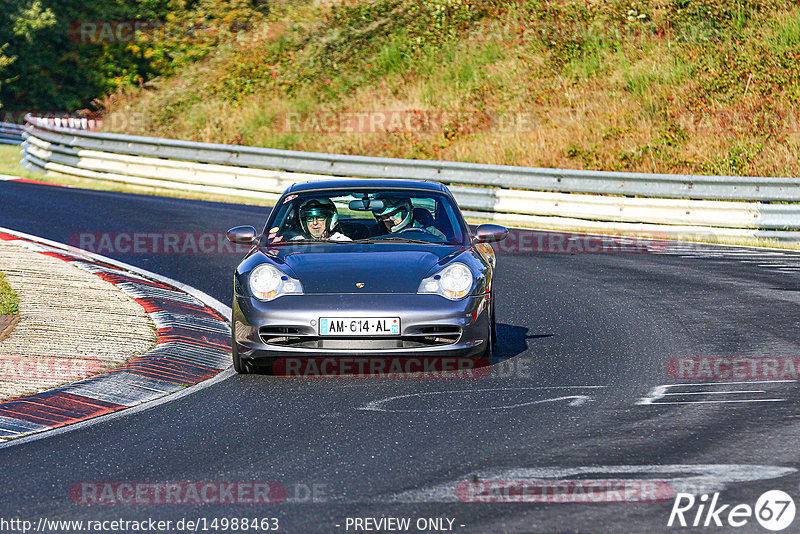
(392, 206)
(319, 208)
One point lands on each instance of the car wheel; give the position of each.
(488, 352)
(494, 324)
(241, 366)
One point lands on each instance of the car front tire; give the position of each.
(494, 324)
(491, 336)
(240, 365)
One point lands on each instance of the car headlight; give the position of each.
(454, 282)
(267, 283)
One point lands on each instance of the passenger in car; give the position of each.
(399, 215)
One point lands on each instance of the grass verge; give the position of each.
(9, 301)
(9, 163)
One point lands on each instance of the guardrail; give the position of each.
(720, 205)
(10, 133)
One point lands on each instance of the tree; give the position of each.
(58, 69)
(5, 61)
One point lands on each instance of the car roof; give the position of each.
(359, 183)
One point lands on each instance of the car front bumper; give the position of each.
(430, 326)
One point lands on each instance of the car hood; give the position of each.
(381, 268)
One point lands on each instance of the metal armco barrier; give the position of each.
(10, 133)
(704, 203)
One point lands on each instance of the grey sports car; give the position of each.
(364, 268)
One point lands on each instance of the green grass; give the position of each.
(9, 163)
(391, 56)
(9, 301)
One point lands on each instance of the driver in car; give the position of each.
(320, 221)
(397, 215)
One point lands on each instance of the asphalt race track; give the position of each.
(584, 345)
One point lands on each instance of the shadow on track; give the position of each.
(512, 341)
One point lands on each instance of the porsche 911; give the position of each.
(364, 268)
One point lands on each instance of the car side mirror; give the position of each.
(490, 233)
(242, 235)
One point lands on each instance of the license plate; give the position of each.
(359, 326)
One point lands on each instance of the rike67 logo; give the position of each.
(774, 510)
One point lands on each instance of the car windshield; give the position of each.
(379, 215)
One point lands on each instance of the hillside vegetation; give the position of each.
(678, 86)
(50, 62)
